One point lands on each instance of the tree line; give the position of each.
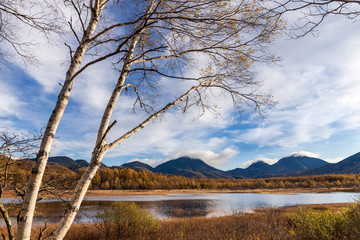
(129, 179)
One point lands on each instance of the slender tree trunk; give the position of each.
(97, 155)
(77, 197)
(28, 207)
(100, 148)
(7, 220)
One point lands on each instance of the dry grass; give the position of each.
(271, 224)
(264, 224)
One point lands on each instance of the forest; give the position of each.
(129, 179)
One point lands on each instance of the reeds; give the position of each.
(272, 224)
(310, 223)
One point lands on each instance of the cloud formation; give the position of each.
(9, 103)
(303, 154)
(210, 157)
(317, 89)
(270, 161)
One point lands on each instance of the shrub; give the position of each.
(312, 225)
(126, 220)
(352, 220)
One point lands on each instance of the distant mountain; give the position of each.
(286, 165)
(348, 165)
(294, 165)
(70, 163)
(254, 169)
(82, 163)
(290, 164)
(258, 166)
(190, 167)
(65, 161)
(138, 166)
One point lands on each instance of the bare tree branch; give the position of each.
(314, 12)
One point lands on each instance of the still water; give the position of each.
(191, 205)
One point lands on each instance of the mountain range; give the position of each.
(293, 165)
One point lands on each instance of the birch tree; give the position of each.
(314, 12)
(88, 28)
(18, 15)
(233, 37)
(143, 39)
(13, 147)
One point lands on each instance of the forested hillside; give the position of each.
(131, 179)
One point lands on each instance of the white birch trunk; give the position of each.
(99, 152)
(77, 197)
(28, 207)
(97, 155)
(100, 148)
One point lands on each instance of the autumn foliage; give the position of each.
(130, 179)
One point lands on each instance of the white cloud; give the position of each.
(149, 161)
(272, 161)
(334, 160)
(175, 132)
(48, 51)
(317, 88)
(303, 154)
(265, 160)
(51, 71)
(93, 88)
(210, 157)
(10, 103)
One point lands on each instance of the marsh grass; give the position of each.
(263, 225)
(293, 223)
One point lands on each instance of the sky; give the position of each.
(316, 86)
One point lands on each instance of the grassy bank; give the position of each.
(177, 191)
(317, 222)
(92, 193)
(270, 225)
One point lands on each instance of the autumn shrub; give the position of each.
(125, 220)
(352, 220)
(313, 225)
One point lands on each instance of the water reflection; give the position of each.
(181, 208)
(190, 205)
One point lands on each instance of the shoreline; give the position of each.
(209, 191)
(99, 193)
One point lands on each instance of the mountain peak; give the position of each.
(258, 164)
(302, 154)
(136, 165)
(190, 167)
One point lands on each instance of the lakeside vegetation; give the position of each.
(130, 179)
(317, 222)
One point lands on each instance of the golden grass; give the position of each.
(263, 224)
(272, 224)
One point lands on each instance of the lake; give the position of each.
(191, 205)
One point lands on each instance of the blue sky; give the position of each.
(317, 86)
